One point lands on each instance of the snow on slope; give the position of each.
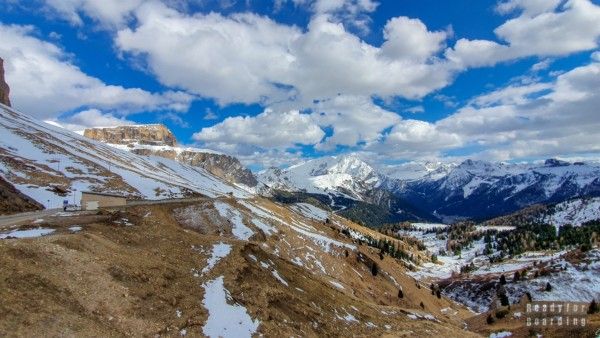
(34, 156)
(346, 175)
(224, 319)
(574, 212)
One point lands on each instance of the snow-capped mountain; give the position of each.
(449, 191)
(477, 189)
(347, 176)
(49, 163)
(411, 171)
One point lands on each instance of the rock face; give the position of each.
(4, 89)
(157, 140)
(152, 134)
(224, 166)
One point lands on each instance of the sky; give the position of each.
(274, 83)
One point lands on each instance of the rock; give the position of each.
(140, 140)
(4, 89)
(151, 134)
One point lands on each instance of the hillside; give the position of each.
(49, 164)
(158, 140)
(574, 212)
(189, 268)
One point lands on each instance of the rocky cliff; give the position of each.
(151, 134)
(157, 140)
(4, 89)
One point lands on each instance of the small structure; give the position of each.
(93, 200)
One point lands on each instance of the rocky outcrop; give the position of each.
(224, 166)
(4, 89)
(141, 139)
(151, 134)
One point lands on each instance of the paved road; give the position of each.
(32, 215)
(26, 216)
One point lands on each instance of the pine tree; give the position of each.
(516, 277)
(504, 300)
(548, 287)
(374, 269)
(593, 307)
(438, 293)
(400, 294)
(422, 306)
(502, 280)
(490, 319)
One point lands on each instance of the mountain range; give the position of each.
(438, 191)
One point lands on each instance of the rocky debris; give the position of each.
(151, 134)
(13, 201)
(4, 89)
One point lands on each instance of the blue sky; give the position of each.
(274, 84)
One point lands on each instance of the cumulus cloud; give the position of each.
(412, 139)
(536, 31)
(353, 120)
(90, 118)
(109, 13)
(268, 129)
(44, 82)
(249, 58)
(540, 119)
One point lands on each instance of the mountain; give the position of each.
(434, 190)
(4, 89)
(158, 140)
(49, 163)
(482, 190)
(347, 184)
(575, 212)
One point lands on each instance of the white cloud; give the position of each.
(540, 119)
(410, 139)
(541, 29)
(88, 119)
(409, 39)
(268, 129)
(249, 58)
(354, 120)
(109, 13)
(44, 82)
(542, 65)
(415, 110)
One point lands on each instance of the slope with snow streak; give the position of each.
(574, 212)
(35, 157)
(224, 319)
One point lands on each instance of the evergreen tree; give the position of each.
(400, 294)
(490, 319)
(374, 269)
(438, 293)
(516, 277)
(594, 308)
(504, 300)
(422, 306)
(548, 287)
(502, 280)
